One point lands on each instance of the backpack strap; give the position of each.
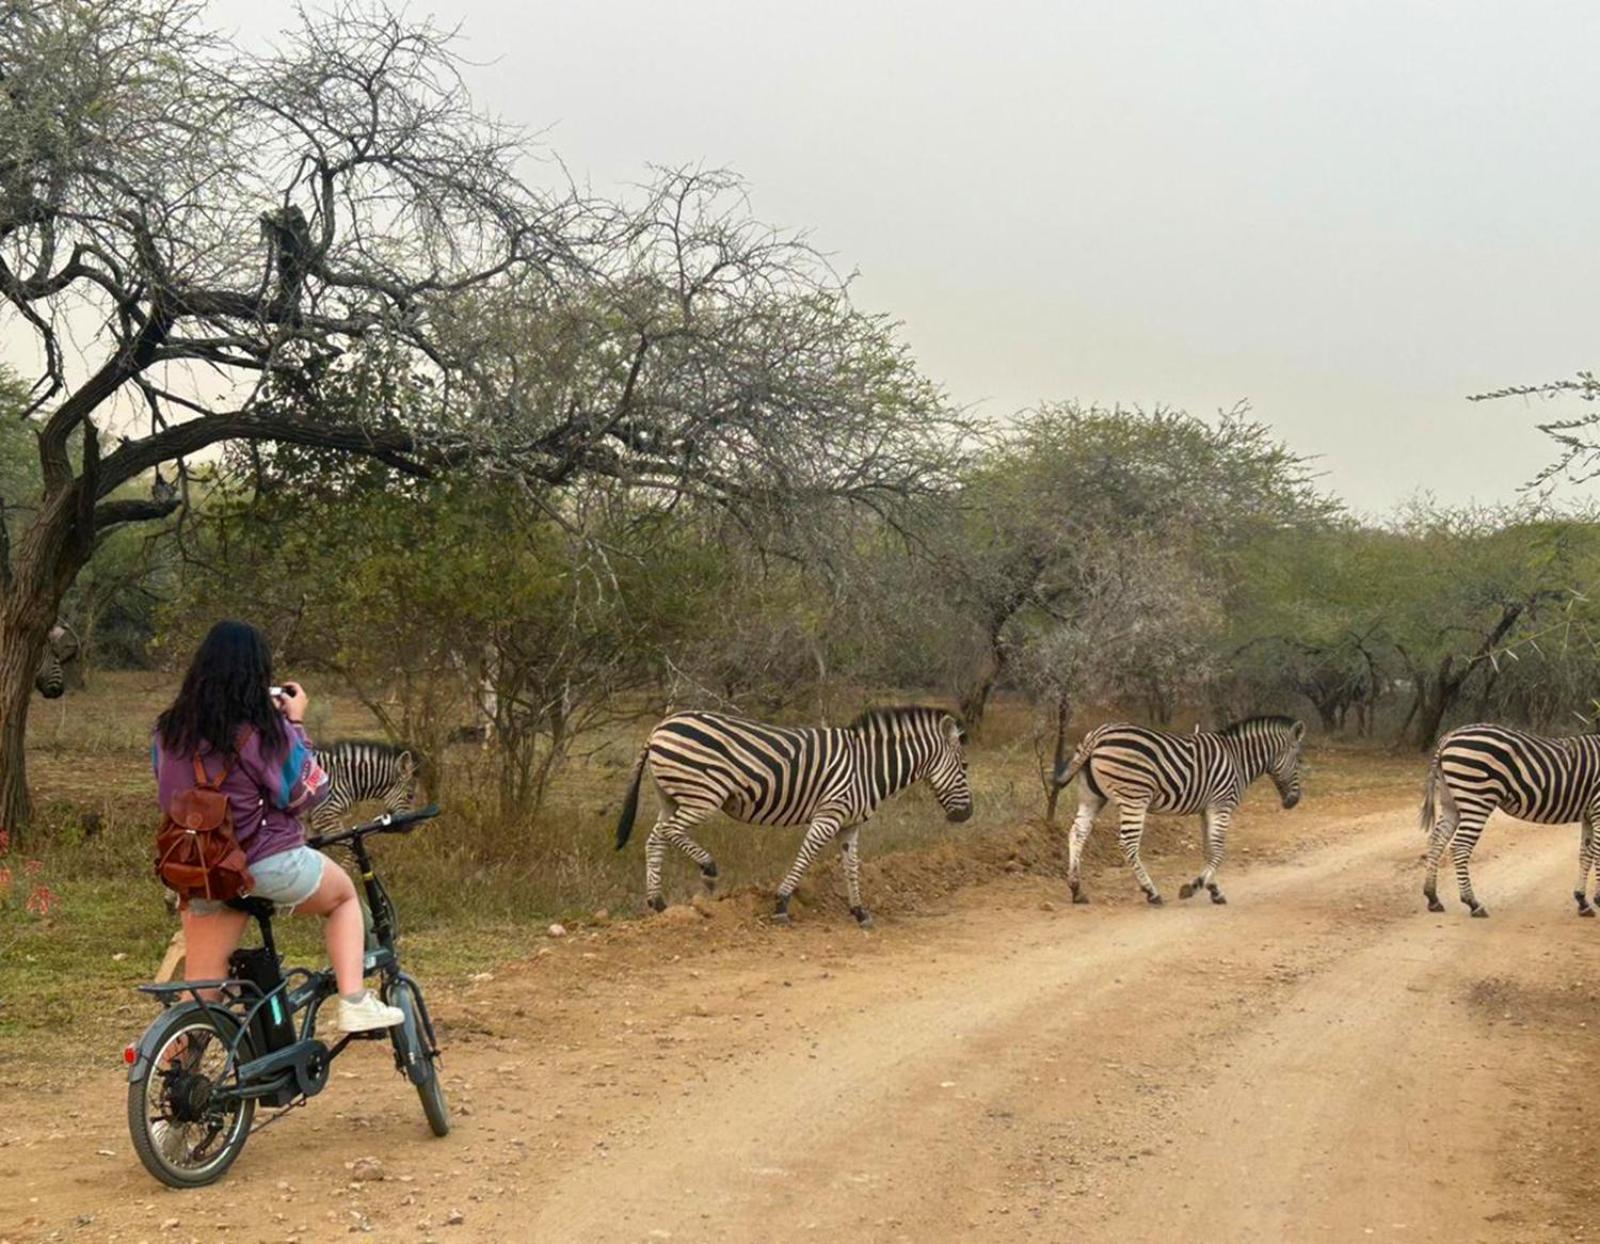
(200, 778)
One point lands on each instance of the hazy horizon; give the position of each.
(1349, 216)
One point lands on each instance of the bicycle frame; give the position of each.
(301, 992)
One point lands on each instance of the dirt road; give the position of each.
(1319, 1060)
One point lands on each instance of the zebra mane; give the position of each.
(382, 746)
(1234, 729)
(891, 714)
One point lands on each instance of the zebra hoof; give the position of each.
(1155, 900)
(863, 916)
(1480, 912)
(1435, 905)
(1219, 898)
(1187, 890)
(782, 918)
(1586, 911)
(1078, 896)
(657, 903)
(708, 879)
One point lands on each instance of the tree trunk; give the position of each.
(1052, 791)
(1438, 701)
(24, 630)
(34, 576)
(1451, 681)
(976, 698)
(1484, 694)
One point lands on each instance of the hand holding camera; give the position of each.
(291, 701)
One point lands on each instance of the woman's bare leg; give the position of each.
(335, 898)
(209, 941)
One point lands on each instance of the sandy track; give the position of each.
(1321, 1060)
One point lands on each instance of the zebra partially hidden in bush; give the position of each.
(1206, 772)
(363, 769)
(61, 647)
(829, 780)
(1479, 768)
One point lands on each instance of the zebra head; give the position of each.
(917, 744)
(945, 768)
(1269, 745)
(1284, 766)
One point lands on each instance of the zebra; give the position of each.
(1157, 770)
(50, 680)
(1479, 768)
(829, 780)
(361, 769)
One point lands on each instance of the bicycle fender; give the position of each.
(144, 1050)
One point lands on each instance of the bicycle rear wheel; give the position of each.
(182, 1133)
(414, 1053)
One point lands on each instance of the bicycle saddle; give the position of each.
(260, 908)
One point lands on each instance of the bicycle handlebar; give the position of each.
(388, 823)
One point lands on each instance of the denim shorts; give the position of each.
(287, 878)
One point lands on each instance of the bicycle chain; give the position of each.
(294, 1105)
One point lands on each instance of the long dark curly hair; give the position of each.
(224, 690)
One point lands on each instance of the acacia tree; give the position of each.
(1024, 536)
(227, 233)
(1140, 616)
(1313, 614)
(1472, 586)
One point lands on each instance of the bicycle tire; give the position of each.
(414, 1054)
(152, 1149)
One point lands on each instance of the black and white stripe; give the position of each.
(1479, 768)
(363, 769)
(1204, 772)
(51, 679)
(830, 780)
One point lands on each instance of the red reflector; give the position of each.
(130, 1055)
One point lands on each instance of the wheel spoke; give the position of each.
(190, 1136)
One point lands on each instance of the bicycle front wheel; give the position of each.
(184, 1132)
(414, 1053)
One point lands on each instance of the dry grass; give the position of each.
(472, 890)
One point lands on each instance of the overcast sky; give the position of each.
(1351, 215)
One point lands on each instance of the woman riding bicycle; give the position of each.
(226, 715)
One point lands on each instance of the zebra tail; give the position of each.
(1068, 771)
(1430, 793)
(630, 805)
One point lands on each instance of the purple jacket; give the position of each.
(266, 791)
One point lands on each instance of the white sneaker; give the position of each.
(368, 1014)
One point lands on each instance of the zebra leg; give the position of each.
(1586, 855)
(1129, 834)
(655, 852)
(670, 831)
(1461, 845)
(1089, 805)
(823, 831)
(1216, 838)
(849, 846)
(708, 866)
(1444, 829)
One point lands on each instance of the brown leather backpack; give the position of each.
(197, 852)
